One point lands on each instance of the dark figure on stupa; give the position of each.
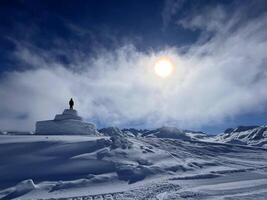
(71, 103)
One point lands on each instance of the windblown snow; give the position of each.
(166, 163)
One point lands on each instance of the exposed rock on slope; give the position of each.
(134, 132)
(245, 135)
(111, 131)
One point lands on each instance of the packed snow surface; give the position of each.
(129, 166)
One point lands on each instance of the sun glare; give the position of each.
(163, 67)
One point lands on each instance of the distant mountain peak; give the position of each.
(246, 135)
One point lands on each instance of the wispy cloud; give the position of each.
(220, 76)
(171, 7)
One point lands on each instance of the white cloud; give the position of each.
(216, 78)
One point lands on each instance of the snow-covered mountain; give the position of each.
(175, 133)
(111, 131)
(135, 132)
(163, 132)
(244, 135)
(127, 167)
(115, 131)
(165, 163)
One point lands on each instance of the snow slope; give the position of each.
(245, 135)
(127, 167)
(175, 133)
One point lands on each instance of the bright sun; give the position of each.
(163, 67)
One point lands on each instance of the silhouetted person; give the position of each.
(71, 103)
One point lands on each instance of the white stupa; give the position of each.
(67, 123)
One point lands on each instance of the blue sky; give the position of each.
(101, 53)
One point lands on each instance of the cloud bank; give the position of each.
(222, 75)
